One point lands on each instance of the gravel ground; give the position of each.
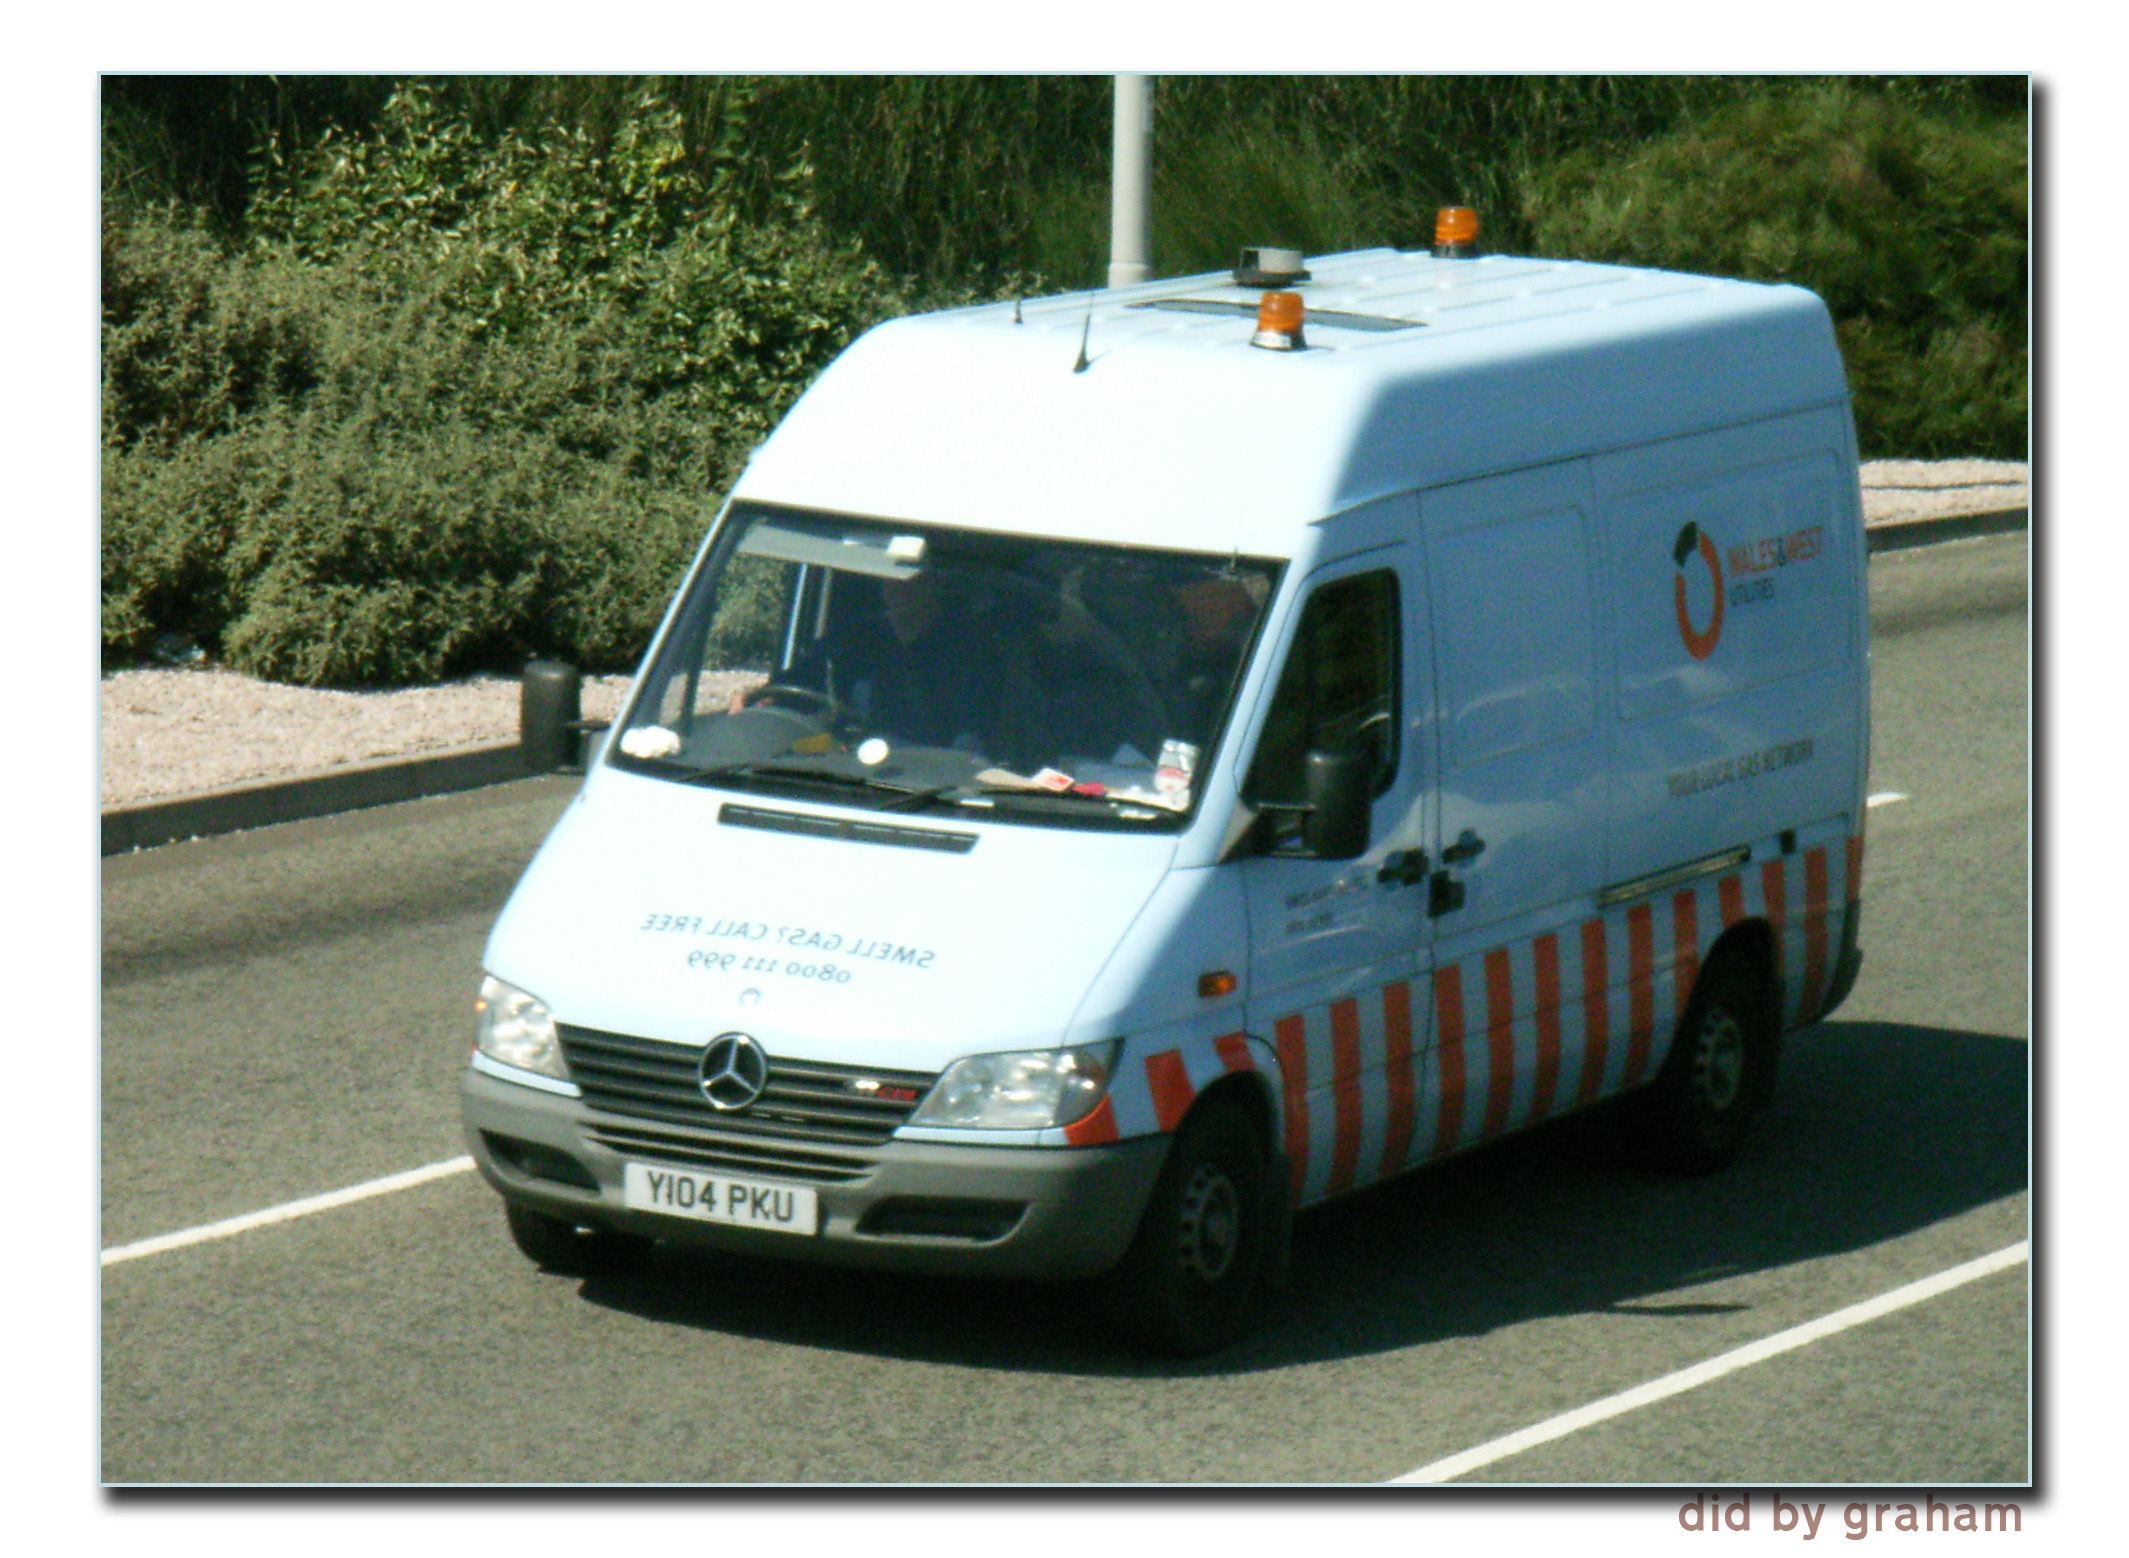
(1894, 490)
(168, 733)
(172, 733)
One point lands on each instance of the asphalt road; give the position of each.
(285, 1013)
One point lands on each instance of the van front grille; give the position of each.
(645, 1079)
(733, 1154)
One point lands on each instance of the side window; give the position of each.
(1338, 690)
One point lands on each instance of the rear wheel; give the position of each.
(1190, 1278)
(573, 1249)
(1692, 1118)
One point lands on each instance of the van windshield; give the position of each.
(905, 666)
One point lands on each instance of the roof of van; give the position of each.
(1177, 432)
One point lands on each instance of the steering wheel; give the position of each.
(808, 700)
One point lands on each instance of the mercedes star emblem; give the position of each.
(733, 1072)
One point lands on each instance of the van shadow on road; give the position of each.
(1878, 1130)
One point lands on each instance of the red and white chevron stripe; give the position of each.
(1368, 1086)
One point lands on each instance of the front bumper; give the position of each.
(906, 1206)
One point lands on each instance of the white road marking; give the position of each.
(1885, 798)
(288, 1210)
(1715, 1368)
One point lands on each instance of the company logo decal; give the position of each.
(733, 1072)
(1699, 642)
(1744, 577)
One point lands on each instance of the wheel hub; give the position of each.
(1719, 1064)
(1209, 1231)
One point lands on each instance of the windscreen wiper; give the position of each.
(1043, 793)
(904, 797)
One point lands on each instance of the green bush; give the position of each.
(169, 517)
(1261, 185)
(191, 343)
(1912, 227)
(958, 180)
(395, 530)
(946, 180)
(464, 375)
(452, 405)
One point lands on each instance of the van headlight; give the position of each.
(516, 1029)
(1020, 1090)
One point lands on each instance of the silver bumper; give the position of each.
(909, 1206)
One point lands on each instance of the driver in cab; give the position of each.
(912, 670)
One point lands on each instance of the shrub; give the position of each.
(1911, 226)
(192, 343)
(169, 517)
(401, 463)
(470, 374)
(1257, 185)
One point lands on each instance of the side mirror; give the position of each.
(549, 715)
(1338, 788)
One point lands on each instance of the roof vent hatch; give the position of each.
(1270, 268)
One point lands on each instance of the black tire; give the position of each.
(1692, 1119)
(1189, 1282)
(573, 1249)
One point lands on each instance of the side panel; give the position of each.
(1525, 981)
(1178, 1039)
(1738, 687)
(1517, 625)
(1511, 1032)
(1532, 1027)
(1650, 727)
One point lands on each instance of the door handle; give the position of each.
(1444, 896)
(1402, 867)
(1467, 847)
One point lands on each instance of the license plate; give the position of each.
(720, 1198)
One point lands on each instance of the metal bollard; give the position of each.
(549, 715)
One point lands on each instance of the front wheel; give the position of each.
(1190, 1278)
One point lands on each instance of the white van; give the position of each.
(1127, 767)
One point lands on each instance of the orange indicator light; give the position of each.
(1455, 232)
(1279, 318)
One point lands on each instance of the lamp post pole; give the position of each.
(1131, 182)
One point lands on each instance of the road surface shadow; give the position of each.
(1878, 1130)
